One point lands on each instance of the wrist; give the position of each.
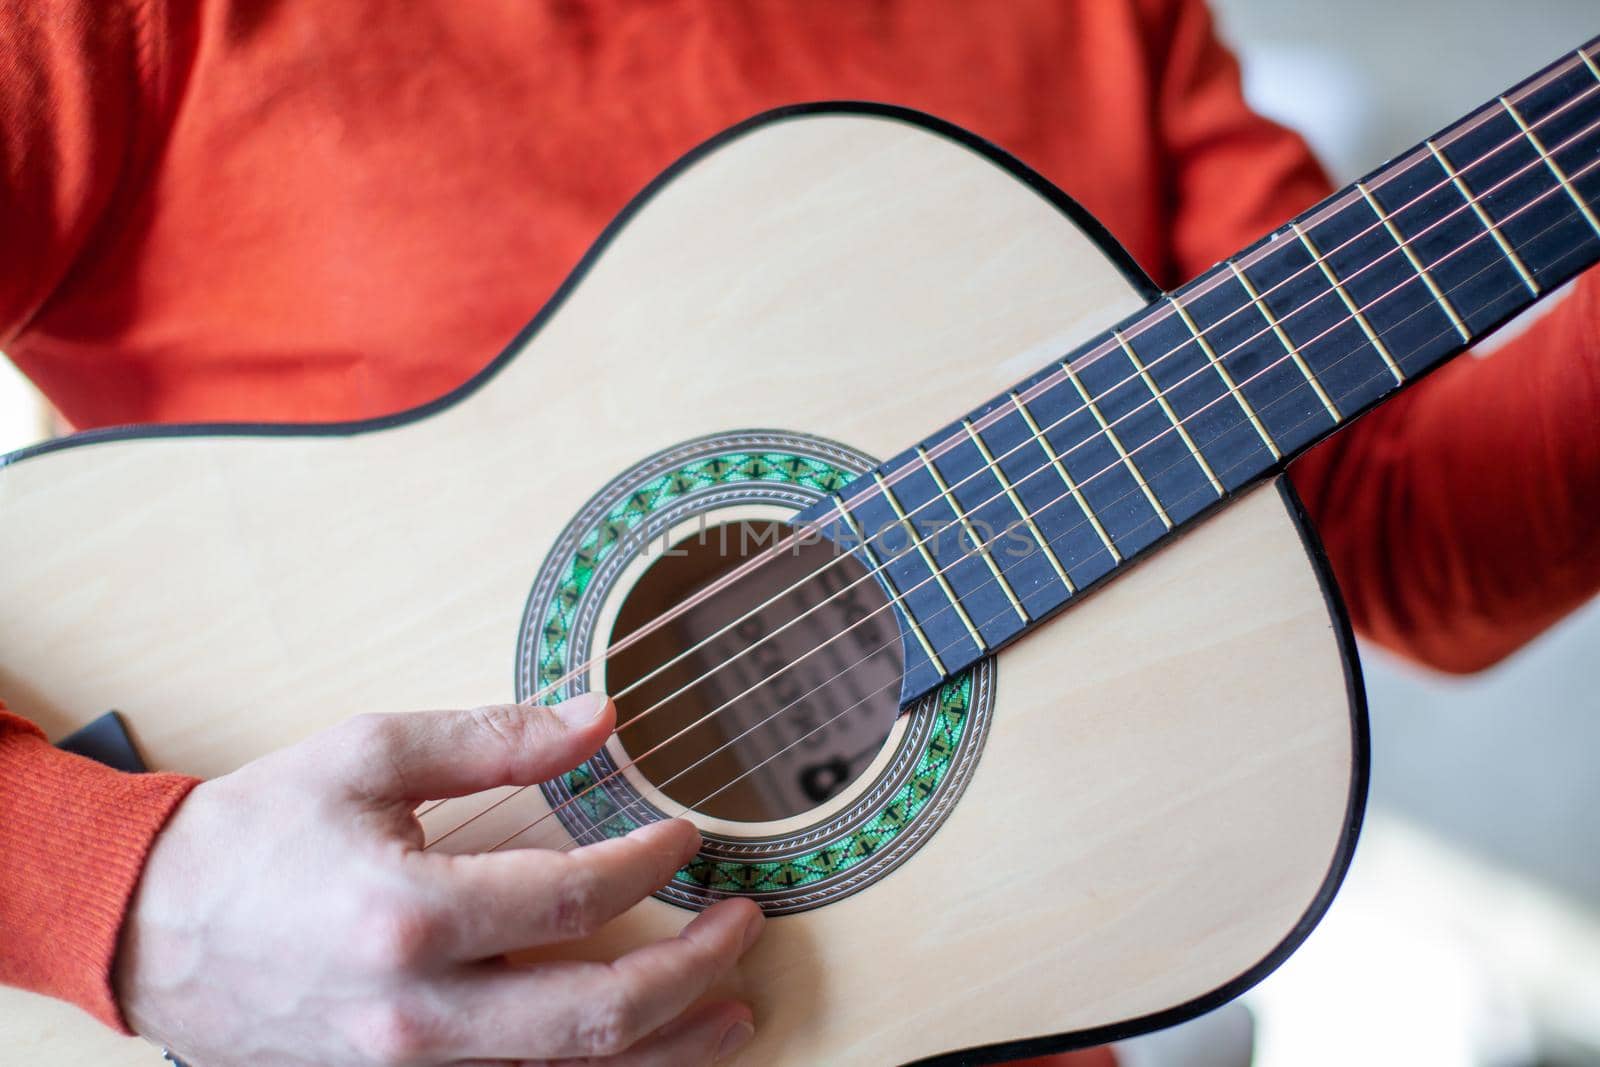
(74, 836)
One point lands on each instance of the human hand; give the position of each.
(288, 916)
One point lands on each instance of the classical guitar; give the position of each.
(975, 840)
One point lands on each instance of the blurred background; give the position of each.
(1468, 931)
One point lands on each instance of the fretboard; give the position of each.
(992, 524)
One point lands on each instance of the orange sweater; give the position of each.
(263, 211)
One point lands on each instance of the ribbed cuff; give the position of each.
(74, 835)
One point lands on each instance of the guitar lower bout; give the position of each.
(1136, 789)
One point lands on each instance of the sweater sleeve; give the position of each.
(73, 839)
(1462, 518)
(76, 78)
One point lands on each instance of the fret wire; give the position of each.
(922, 550)
(1116, 442)
(966, 524)
(1343, 199)
(1016, 501)
(1166, 408)
(1549, 161)
(1061, 469)
(1416, 264)
(881, 571)
(1583, 53)
(1483, 217)
(1227, 378)
(1323, 212)
(1350, 304)
(1283, 339)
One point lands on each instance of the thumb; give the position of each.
(428, 755)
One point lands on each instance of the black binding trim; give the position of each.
(1135, 277)
(1063, 203)
(1355, 809)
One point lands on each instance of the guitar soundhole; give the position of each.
(781, 688)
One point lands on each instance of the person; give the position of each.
(263, 210)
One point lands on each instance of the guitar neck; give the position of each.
(1405, 268)
(997, 521)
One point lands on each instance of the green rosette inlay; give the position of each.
(600, 812)
(619, 525)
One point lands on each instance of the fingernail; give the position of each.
(752, 932)
(737, 1037)
(581, 710)
(691, 847)
(662, 827)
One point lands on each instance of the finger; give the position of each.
(592, 1009)
(427, 755)
(495, 902)
(706, 1035)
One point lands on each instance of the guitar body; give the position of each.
(1166, 783)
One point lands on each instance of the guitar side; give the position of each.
(1170, 788)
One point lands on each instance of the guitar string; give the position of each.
(1465, 126)
(1471, 200)
(1159, 316)
(626, 807)
(969, 555)
(898, 599)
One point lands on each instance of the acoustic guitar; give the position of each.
(803, 464)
